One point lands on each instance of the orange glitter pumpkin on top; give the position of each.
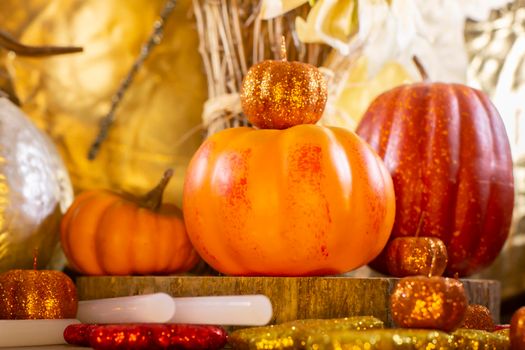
(280, 94)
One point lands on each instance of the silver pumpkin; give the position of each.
(34, 191)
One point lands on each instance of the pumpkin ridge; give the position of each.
(477, 244)
(445, 107)
(470, 149)
(163, 252)
(85, 203)
(452, 96)
(427, 126)
(99, 232)
(224, 147)
(502, 230)
(417, 197)
(65, 225)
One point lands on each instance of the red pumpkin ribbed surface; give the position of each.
(446, 148)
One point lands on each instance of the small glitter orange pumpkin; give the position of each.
(517, 330)
(429, 302)
(413, 256)
(478, 317)
(37, 294)
(280, 94)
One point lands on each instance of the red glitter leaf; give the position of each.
(147, 336)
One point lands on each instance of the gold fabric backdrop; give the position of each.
(66, 96)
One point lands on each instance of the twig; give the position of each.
(153, 40)
(11, 44)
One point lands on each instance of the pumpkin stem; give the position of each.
(283, 49)
(421, 69)
(35, 256)
(153, 199)
(420, 223)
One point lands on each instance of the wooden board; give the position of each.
(292, 297)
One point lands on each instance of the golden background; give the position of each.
(66, 96)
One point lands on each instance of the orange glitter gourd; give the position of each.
(478, 317)
(517, 330)
(37, 294)
(429, 302)
(307, 200)
(413, 256)
(277, 94)
(105, 233)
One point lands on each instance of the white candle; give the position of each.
(149, 308)
(234, 310)
(33, 332)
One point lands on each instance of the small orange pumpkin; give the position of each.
(517, 330)
(429, 302)
(37, 294)
(478, 317)
(104, 233)
(413, 256)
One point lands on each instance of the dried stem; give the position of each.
(153, 40)
(35, 258)
(153, 199)
(421, 69)
(283, 48)
(420, 224)
(10, 43)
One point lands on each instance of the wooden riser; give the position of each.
(292, 297)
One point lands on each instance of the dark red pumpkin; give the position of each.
(446, 148)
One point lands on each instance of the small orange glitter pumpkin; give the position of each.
(413, 256)
(429, 302)
(37, 294)
(517, 330)
(280, 94)
(104, 233)
(478, 317)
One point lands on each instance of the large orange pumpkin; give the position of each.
(307, 200)
(447, 150)
(105, 233)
